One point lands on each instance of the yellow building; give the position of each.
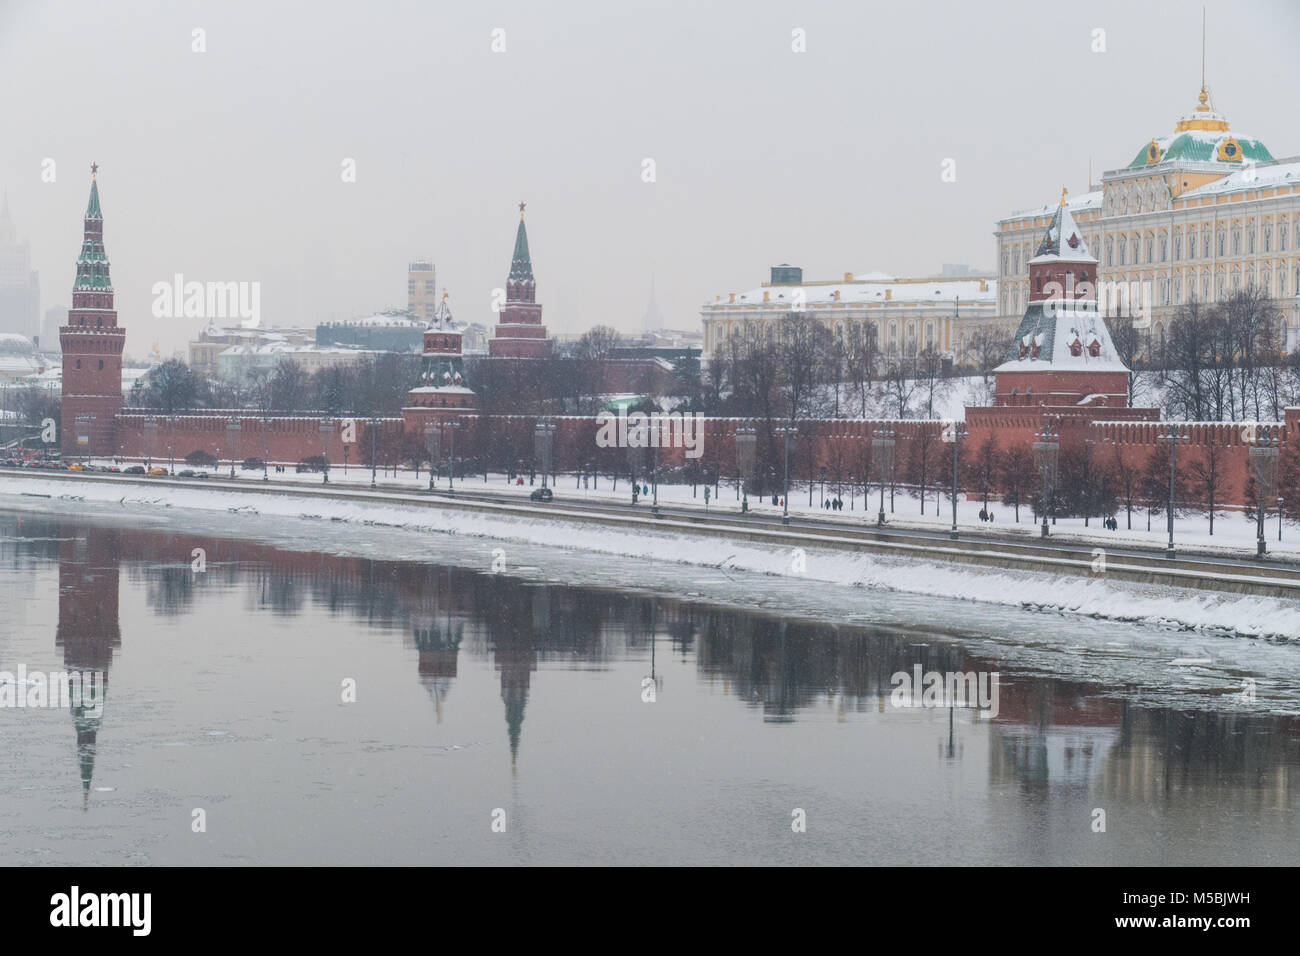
(1198, 213)
(906, 315)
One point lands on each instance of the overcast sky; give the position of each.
(226, 165)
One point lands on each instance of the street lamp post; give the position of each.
(233, 428)
(326, 428)
(746, 442)
(433, 442)
(1172, 439)
(373, 424)
(84, 423)
(266, 446)
(1279, 517)
(1263, 458)
(636, 436)
(171, 441)
(452, 427)
(543, 440)
(882, 450)
(954, 432)
(150, 435)
(1047, 448)
(785, 431)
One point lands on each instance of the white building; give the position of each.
(905, 314)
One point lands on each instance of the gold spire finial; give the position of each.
(444, 296)
(521, 211)
(1065, 192)
(1204, 98)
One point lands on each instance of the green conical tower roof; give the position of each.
(92, 208)
(521, 264)
(92, 264)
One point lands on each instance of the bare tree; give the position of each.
(988, 347)
(1017, 476)
(1209, 479)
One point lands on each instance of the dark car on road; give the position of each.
(134, 470)
(542, 494)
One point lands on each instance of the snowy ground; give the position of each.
(1094, 597)
(1233, 533)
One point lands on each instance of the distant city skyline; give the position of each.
(231, 164)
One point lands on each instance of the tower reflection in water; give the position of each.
(1050, 732)
(88, 632)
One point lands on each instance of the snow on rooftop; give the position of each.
(871, 292)
(442, 390)
(1063, 242)
(1079, 203)
(1250, 177)
(1055, 332)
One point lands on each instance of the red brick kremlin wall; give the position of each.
(842, 446)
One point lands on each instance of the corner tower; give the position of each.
(92, 346)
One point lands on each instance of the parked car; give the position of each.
(541, 494)
(157, 471)
(134, 470)
(187, 473)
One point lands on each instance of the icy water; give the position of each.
(301, 700)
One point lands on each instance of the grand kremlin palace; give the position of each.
(1198, 212)
(1201, 212)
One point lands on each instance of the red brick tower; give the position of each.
(519, 331)
(1062, 354)
(92, 346)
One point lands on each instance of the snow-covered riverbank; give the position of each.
(1095, 597)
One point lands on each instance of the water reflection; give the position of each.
(1050, 737)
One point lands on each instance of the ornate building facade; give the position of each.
(1201, 213)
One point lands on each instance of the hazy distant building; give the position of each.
(215, 339)
(390, 331)
(20, 291)
(243, 362)
(421, 287)
(54, 317)
(474, 337)
(652, 321)
(18, 358)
